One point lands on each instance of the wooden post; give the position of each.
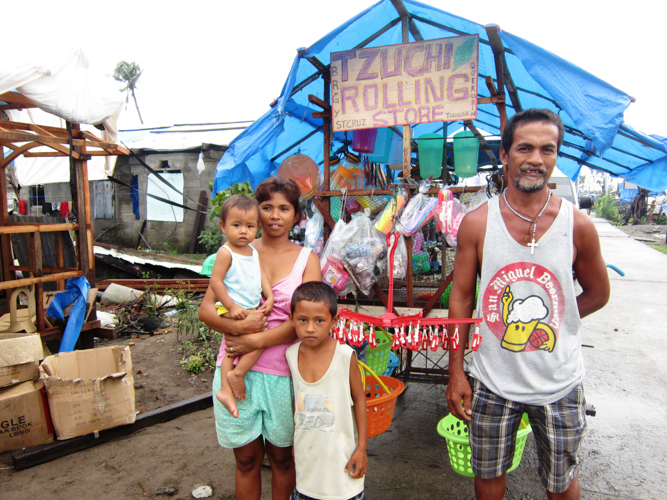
(77, 171)
(5, 239)
(407, 156)
(327, 145)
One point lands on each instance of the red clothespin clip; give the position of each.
(426, 338)
(404, 341)
(455, 339)
(417, 337)
(342, 333)
(476, 338)
(434, 339)
(372, 340)
(397, 339)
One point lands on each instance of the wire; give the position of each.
(123, 224)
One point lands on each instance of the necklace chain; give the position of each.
(532, 244)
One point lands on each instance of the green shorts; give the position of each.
(267, 411)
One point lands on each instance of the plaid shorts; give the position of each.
(558, 427)
(300, 496)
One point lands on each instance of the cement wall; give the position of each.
(159, 235)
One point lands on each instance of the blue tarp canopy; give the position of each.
(591, 109)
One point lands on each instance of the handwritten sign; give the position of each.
(419, 82)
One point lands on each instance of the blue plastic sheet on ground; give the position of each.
(76, 290)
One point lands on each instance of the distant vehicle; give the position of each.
(565, 188)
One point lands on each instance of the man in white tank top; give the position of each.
(524, 245)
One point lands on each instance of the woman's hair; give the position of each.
(241, 202)
(315, 291)
(287, 187)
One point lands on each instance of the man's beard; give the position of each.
(530, 187)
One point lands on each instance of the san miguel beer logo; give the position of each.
(523, 306)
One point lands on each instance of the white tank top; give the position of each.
(325, 430)
(531, 347)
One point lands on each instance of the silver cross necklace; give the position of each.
(532, 244)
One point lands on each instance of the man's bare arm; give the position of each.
(461, 305)
(589, 266)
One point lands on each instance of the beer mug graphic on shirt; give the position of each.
(522, 319)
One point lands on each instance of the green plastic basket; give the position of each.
(378, 358)
(455, 432)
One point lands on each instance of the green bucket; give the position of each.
(455, 432)
(207, 266)
(378, 358)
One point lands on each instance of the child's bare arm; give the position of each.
(267, 292)
(222, 262)
(359, 461)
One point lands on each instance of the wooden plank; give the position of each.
(55, 332)
(17, 98)
(36, 455)
(6, 285)
(18, 228)
(325, 213)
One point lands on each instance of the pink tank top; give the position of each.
(272, 360)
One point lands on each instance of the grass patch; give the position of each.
(660, 248)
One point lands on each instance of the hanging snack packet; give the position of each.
(449, 213)
(385, 221)
(419, 211)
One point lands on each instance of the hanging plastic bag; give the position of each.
(314, 237)
(331, 260)
(419, 211)
(473, 200)
(387, 218)
(400, 259)
(449, 213)
(364, 248)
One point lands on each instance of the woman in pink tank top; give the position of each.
(261, 424)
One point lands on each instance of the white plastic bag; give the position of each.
(419, 211)
(314, 237)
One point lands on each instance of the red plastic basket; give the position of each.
(380, 404)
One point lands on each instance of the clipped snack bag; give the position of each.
(419, 211)
(385, 221)
(449, 213)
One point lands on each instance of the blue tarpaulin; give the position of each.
(76, 291)
(591, 109)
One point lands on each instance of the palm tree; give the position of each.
(129, 73)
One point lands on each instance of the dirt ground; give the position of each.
(649, 234)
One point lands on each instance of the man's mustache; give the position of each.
(541, 170)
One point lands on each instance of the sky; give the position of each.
(224, 61)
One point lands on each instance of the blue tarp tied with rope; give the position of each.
(76, 291)
(591, 109)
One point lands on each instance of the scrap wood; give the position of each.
(159, 285)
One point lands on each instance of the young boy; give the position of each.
(238, 282)
(330, 404)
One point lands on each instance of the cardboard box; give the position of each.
(20, 354)
(89, 390)
(24, 417)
